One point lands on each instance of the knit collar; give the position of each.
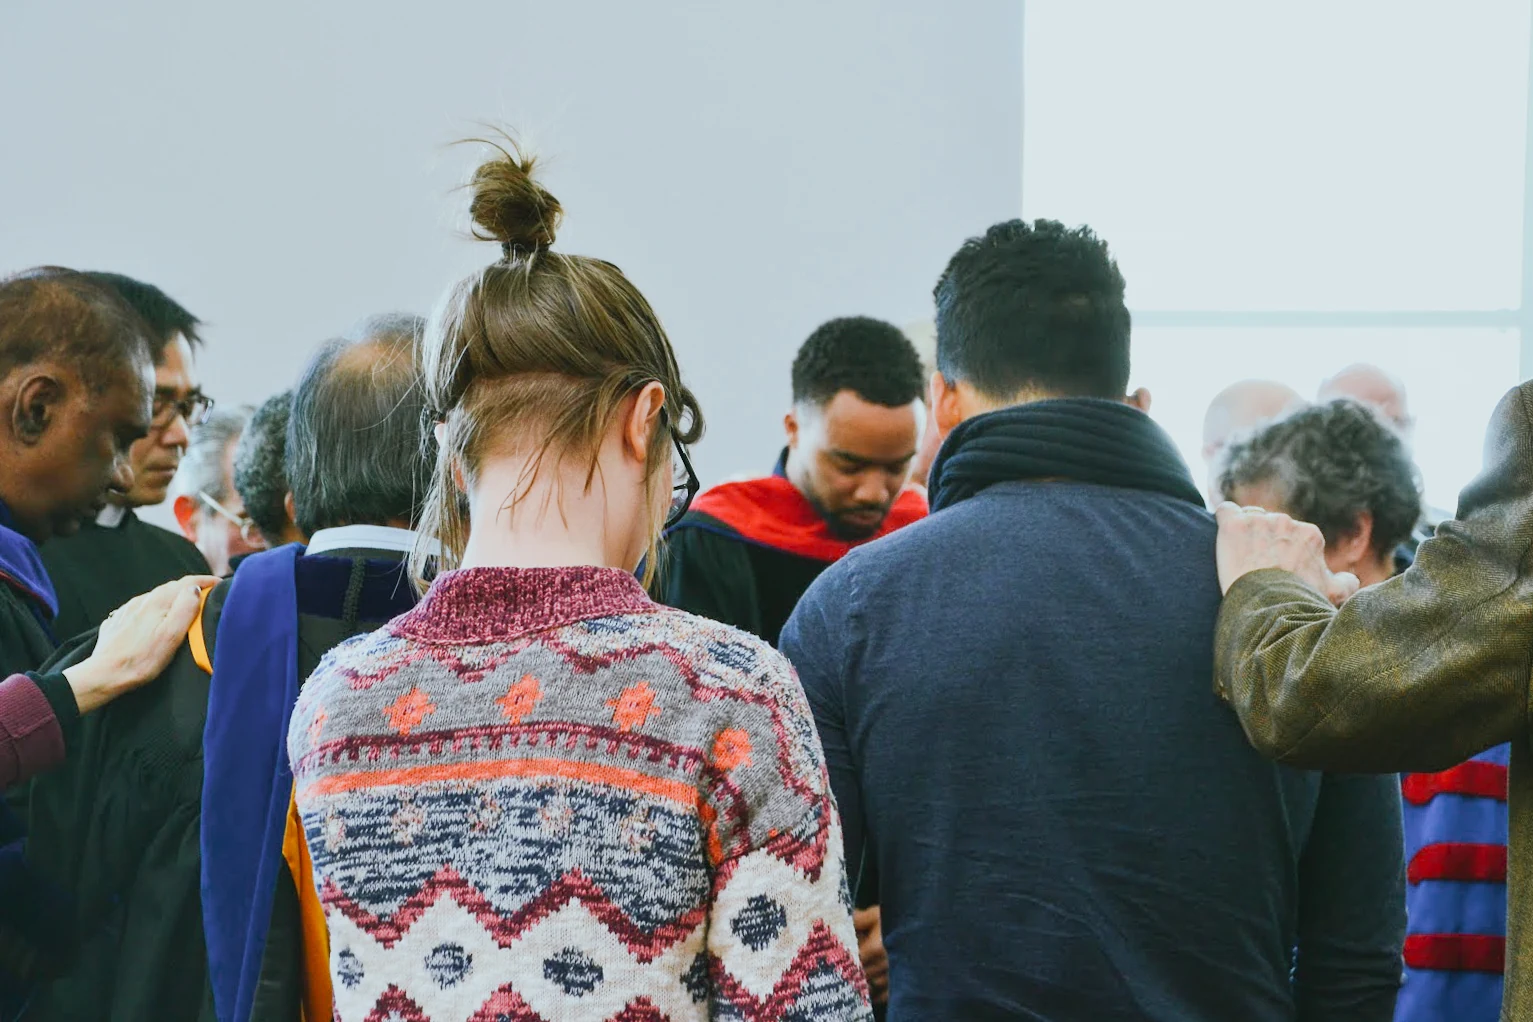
(497, 604)
(1088, 440)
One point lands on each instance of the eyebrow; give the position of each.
(860, 460)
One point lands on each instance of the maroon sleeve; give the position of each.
(30, 738)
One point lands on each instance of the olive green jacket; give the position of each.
(1417, 673)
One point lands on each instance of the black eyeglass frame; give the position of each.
(690, 485)
(194, 409)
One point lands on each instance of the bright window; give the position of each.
(1292, 188)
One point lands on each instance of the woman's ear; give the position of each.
(643, 417)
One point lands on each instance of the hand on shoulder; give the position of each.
(137, 642)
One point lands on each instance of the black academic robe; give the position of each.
(30, 942)
(119, 825)
(728, 579)
(24, 643)
(98, 569)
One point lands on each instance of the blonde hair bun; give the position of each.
(510, 207)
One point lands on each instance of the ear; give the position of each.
(290, 505)
(1139, 399)
(642, 420)
(185, 509)
(791, 427)
(1356, 546)
(36, 407)
(946, 405)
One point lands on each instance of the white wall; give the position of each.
(283, 169)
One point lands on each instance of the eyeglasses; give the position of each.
(684, 484)
(249, 534)
(194, 408)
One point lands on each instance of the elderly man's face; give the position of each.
(220, 528)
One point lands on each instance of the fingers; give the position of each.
(1343, 586)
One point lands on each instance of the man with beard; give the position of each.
(1058, 820)
(746, 551)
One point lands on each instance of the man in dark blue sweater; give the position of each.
(1060, 819)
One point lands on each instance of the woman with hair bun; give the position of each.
(539, 795)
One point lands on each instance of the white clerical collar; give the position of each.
(111, 516)
(360, 537)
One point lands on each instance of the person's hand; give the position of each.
(1251, 539)
(137, 642)
(870, 948)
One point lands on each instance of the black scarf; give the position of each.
(1088, 440)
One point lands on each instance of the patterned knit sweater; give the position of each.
(539, 795)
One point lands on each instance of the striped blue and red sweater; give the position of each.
(1455, 844)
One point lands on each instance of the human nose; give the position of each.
(175, 433)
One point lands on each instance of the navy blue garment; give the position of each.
(1016, 702)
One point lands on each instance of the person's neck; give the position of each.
(1372, 573)
(540, 530)
(975, 403)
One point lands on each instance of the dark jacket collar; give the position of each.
(1087, 440)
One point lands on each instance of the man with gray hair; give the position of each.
(174, 832)
(208, 509)
(1339, 466)
(260, 471)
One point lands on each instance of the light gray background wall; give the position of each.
(284, 170)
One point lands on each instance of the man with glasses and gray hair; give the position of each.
(207, 506)
(173, 831)
(116, 555)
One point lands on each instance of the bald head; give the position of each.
(355, 452)
(1237, 409)
(1375, 388)
(1242, 406)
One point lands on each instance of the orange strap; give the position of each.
(194, 636)
(317, 995)
(318, 1004)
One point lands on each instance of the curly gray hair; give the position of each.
(1331, 462)
(259, 473)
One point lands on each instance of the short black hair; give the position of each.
(867, 356)
(260, 475)
(355, 437)
(53, 313)
(1034, 307)
(1331, 462)
(166, 316)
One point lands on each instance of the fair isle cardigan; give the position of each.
(539, 795)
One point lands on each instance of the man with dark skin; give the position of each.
(75, 381)
(746, 551)
(170, 830)
(116, 555)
